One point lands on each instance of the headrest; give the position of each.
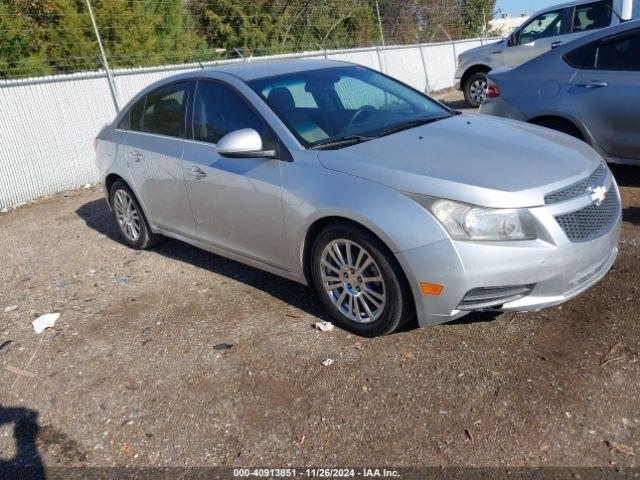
(282, 99)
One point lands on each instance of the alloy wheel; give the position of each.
(353, 281)
(127, 215)
(478, 90)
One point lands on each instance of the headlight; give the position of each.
(468, 222)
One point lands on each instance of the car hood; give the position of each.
(476, 159)
(489, 47)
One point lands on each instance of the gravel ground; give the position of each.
(134, 372)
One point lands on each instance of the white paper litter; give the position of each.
(43, 322)
(10, 309)
(324, 326)
(327, 362)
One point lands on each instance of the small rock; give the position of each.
(92, 271)
(10, 309)
(4, 210)
(122, 281)
(60, 283)
(86, 186)
(324, 326)
(620, 448)
(223, 346)
(328, 362)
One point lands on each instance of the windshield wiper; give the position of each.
(342, 142)
(410, 124)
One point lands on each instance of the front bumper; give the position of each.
(554, 268)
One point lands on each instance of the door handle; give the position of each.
(592, 84)
(135, 155)
(496, 52)
(196, 172)
(556, 44)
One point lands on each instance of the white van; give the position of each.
(545, 30)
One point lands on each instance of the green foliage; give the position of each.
(476, 15)
(51, 36)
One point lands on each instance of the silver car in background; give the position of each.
(545, 30)
(589, 89)
(390, 205)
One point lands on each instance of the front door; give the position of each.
(607, 95)
(236, 202)
(536, 37)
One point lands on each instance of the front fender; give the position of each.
(312, 192)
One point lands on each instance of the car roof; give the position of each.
(268, 68)
(560, 6)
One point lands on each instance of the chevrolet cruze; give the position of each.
(389, 204)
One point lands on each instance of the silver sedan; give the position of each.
(392, 206)
(589, 88)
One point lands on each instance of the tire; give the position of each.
(378, 306)
(475, 88)
(560, 126)
(129, 217)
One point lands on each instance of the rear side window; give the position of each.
(135, 115)
(164, 111)
(218, 110)
(582, 58)
(592, 16)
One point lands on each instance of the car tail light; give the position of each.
(492, 90)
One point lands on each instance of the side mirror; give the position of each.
(513, 39)
(243, 143)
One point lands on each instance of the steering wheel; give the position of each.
(362, 110)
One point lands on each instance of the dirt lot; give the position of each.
(131, 374)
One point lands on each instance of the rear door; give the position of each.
(155, 143)
(606, 93)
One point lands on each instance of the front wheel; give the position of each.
(475, 89)
(359, 281)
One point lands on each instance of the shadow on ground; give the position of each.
(97, 216)
(626, 175)
(631, 215)
(26, 463)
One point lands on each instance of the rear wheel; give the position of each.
(475, 89)
(359, 281)
(132, 224)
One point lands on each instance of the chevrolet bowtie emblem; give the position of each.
(598, 194)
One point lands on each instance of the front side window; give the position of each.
(343, 102)
(622, 54)
(218, 110)
(609, 54)
(164, 111)
(592, 16)
(545, 25)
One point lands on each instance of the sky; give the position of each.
(516, 7)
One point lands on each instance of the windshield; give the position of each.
(345, 105)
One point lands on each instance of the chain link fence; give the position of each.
(48, 122)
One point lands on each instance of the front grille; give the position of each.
(577, 189)
(492, 297)
(591, 222)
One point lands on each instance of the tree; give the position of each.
(476, 15)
